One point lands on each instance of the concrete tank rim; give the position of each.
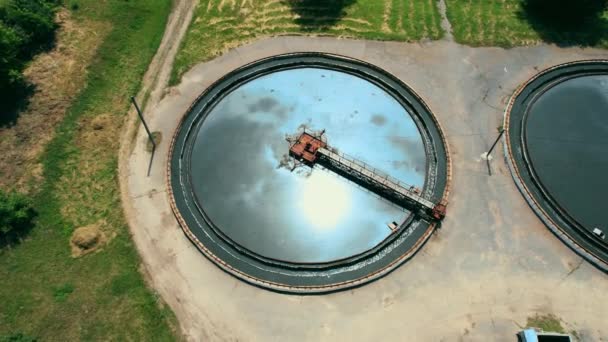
(586, 246)
(277, 286)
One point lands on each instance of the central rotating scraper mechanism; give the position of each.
(310, 149)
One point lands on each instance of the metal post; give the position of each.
(502, 131)
(141, 117)
(496, 141)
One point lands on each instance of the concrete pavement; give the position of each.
(491, 266)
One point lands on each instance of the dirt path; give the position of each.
(155, 82)
(445, 22)
(158, 74)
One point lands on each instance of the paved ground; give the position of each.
(491, 266)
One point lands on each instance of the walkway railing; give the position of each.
(370, 175)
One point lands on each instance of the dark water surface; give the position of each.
(567, 142)
(304, 215)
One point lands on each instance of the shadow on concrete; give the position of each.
(318, 15)
(151, 160)
(568, 22)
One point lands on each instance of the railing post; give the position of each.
(496, 141)
(150, 137)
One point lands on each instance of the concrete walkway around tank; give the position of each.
(491, 266)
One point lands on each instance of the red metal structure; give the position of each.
(439, 211)
(305, 148)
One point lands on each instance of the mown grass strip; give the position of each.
(215, 30)
(506, 23)
(45, 292)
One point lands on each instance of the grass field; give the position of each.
(219, 25)
(505, 23)
(222, 24)
(44, 292)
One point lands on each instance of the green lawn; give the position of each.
(44, 292)
(222, 24)
(505, 23)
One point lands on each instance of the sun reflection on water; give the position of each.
(324, 200)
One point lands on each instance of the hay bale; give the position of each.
(86, 239)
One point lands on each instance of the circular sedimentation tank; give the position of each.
(557, 139)
(262, 216)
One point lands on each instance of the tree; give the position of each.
(11, 80)
(564, 13)
(27, 27)
(34, 21)
(10, 65)
(17, 337)
(16, 214)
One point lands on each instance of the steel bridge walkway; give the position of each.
(372, 177)
(311, 149)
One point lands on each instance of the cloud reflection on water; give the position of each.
(303, 216)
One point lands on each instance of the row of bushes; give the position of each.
(27, 27)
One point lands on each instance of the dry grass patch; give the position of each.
(58, 76)
(97, 132)
(220, 25)
(87, 177)
(388, 7)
